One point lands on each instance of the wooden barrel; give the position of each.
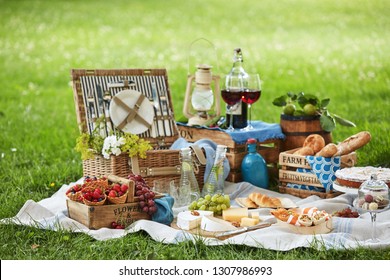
(297, 128)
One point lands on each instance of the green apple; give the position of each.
(310, 109)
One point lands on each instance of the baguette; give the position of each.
(353, 143)
(263, 200)
(304, 151)
(328, 151)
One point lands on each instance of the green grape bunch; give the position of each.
(215, 203)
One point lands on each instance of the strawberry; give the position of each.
(96, 194)
(116, 188)
(112, 193)
(99, 191)
(124, 188)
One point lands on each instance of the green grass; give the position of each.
(336, 49)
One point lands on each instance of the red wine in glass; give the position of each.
(231, 97)
(251, 96)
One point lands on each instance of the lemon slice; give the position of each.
(186, 166)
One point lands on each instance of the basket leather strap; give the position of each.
(132, 113)
(199, 154)
(159, 171)
(153, 171)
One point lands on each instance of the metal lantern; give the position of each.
(199, 99)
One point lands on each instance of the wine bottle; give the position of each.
(240, 111)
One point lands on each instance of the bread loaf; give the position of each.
(353, 143)
(314, 141)
(263, 200)
(304, 151)
(328, 151)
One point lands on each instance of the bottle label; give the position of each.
(237, 111)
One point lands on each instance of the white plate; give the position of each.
(343, 189)
(118, 113)
(286, 203)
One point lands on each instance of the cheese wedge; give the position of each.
(255, 215)
(187, 220)
(234, 214)
(248, 222)
(210, 223)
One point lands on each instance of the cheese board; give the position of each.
(222, 235)
(232, 222)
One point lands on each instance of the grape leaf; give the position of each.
(327, 122)
(292, 96)
(280, 101)
(324, 102)
(302, 100)
(343, 122)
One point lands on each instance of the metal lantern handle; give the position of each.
(211, 44)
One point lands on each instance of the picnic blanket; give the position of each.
(51, 214)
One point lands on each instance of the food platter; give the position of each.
(312, 230)
(306, 221)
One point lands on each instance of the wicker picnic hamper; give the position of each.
(161, 161)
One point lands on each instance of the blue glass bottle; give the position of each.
(253, 166)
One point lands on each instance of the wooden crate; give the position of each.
(269, 149)
(95, 217)
(289, 163)
(161, 161)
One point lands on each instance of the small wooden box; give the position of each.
(95, 217)
(288, 173)
(269, 149)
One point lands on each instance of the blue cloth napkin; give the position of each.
(262, 131)
(210, 147)
(164, 214)
(324, 168)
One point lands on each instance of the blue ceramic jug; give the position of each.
(253, 167)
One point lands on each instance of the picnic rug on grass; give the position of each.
(348, 233)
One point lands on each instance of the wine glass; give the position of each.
(231, 91)
(373, 196)
(251, 94)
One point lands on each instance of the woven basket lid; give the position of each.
(131, 112)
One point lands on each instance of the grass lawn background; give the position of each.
(335, 49)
